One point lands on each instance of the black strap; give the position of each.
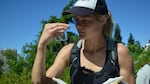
(112, 50)
(75, 52)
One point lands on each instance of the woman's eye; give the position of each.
(81, 21)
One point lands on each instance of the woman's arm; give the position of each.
(39, 70)
(126, 64)
(62, 60)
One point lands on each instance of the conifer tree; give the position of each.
(131, 40)
(117, 34)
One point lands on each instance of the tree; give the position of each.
(12, 67)
(2, 62)
(117, 34)
(131, 40)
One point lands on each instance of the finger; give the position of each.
(54, 25)
(58, 29)
(62, 24)
(55, 28)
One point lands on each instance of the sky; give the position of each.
(20, 20)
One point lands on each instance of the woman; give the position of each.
(94, 24)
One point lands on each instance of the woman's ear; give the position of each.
(103, 18)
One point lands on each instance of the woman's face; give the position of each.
(88, 26)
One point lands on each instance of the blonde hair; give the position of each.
(108, 25)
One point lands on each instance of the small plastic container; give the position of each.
(62, 37)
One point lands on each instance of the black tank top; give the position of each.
(86, 76)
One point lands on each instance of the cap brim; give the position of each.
(78, 11)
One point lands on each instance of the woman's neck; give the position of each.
(94, 45)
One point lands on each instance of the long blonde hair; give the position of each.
(108, 26)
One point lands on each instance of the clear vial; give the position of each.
(62, 37)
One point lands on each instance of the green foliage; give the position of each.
(66, 75)
(117, 35)
(139, 55)
(10, 53)
(134, 47)
(1, 64)
(13, 78)
(143, 58)
(69, 5)
(29, 51)
(17, 72)
(131, 40)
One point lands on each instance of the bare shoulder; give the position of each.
(122, 49)
(66, 49)
(61, 61)
(64, 53)
(123, 53)
(125, 64)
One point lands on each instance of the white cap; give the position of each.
(85, 7)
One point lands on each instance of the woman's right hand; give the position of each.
(51, 31)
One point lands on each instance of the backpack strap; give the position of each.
(75, 52)
(112, 50)
(112, 57)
